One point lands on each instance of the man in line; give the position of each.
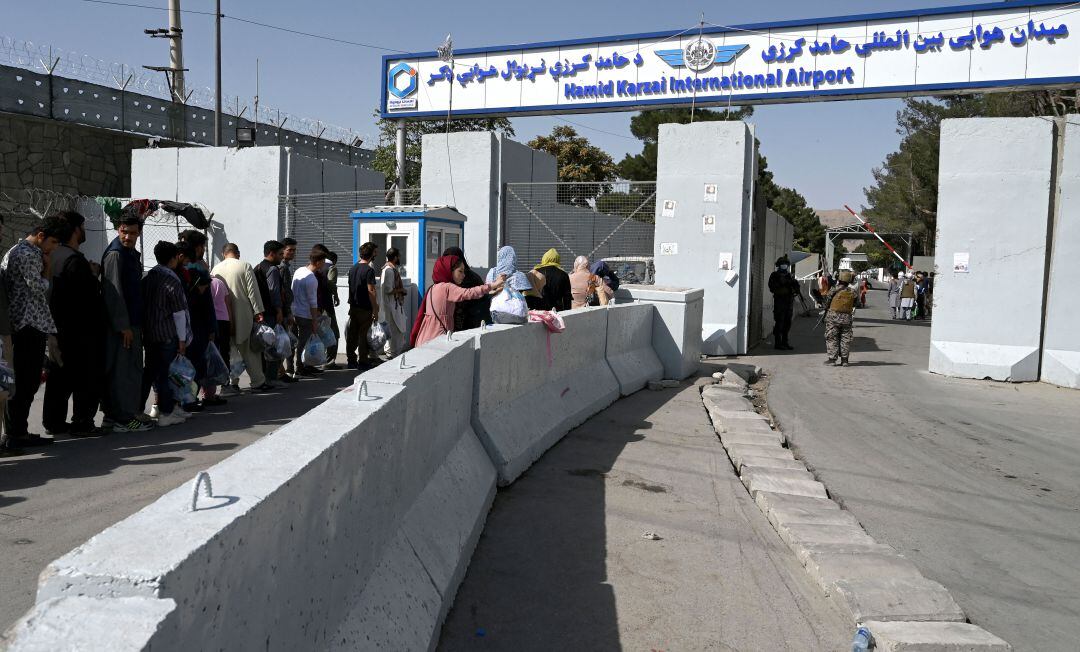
(288, 254)
(247, 308)
(329, 301)
(76, 308)
(784, 289)
(166, 328)
(305, 306)
(363, 307)
(268, 278)
(121, 275)
(26, 274)
(838, 321)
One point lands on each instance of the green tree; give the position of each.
(578, 159)
(905, 191)
(386, 149)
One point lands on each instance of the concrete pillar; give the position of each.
(689, 248)
(468, 170)
(993, 211)
(1061, 347)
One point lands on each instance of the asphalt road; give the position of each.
(976, 482)
(562, 564)
(52, 501)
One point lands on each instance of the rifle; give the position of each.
(820, 320)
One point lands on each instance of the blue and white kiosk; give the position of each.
(420, 233)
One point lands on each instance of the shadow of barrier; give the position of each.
(353, 525)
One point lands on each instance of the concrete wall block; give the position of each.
(827, 569)
(79, 623)
(629, 346)
(676, 325)
(778, 483)
(1061, 350)
(993, 205)
(688, 158)
(890, 599)
(526, 401)
(933, 637)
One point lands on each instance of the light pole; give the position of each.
(217, 76)
(176, 50)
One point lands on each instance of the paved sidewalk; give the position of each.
(52, 501)
(562, 564)
(976, 482)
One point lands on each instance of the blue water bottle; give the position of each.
(861, 642)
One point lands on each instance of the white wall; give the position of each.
(993, 204)
(689, 157)
(1061, 347)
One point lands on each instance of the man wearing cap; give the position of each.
(784, 289)
(838, 320)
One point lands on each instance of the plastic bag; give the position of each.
(510, 303)
(549, 318)
(284, 344)
(314, 353)
(217, 372)
(262, 337)
(182, 377)
(325, 331)
(377, 336)
(236, 369)
(7, 374)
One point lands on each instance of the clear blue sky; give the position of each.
(825, 150)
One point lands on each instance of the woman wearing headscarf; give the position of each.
(584, 285)
(516, 282)
(436, 315)
(556, 291)
(469, 314)
(601, 269)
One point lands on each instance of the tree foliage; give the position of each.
(809, 233)
(578, 159)
(386, 148)
(905, 191)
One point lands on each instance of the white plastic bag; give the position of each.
(325, 331)
(511, 304)
(262, 337)
(284, 345)
(182, 377)
(314, 353)
(377, 336)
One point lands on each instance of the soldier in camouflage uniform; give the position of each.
(838, 321)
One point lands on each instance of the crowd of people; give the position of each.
(911, 295)
(106, 336)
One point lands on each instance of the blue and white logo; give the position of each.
(401, 83)
(700, 55)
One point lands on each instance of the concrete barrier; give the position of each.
(532, 388)
(120, 625)
(629, 346)
(1061, 350)
(676, 325)
(332, 531)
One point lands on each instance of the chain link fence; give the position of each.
(610, 221)
(324, 217)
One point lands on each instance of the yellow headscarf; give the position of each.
(550, 259)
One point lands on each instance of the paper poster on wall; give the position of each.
(708, 224)
(668, 209)
(710, 192)
(669, 248)
(960, 263)
(725, 261)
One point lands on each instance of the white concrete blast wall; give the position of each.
(676, 334)
(1061, 346)
(532, 387)
(993, 211)
(630, 350)
(81, 623)
(318, 528)
(688, 253)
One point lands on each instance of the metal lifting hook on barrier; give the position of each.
(871, 230)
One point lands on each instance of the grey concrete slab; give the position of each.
(770, 463)
(975, 482)
(716, 396)
(748, 473)
(738, 452)
(60, 496)
(795, 534)
(752, 438)
(933, 637)
(828, 568)
(786, 485)
(884, 598)
(768, 501)
(804, 550)
(562, 563)
(793, 514)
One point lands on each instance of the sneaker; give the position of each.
(288, 379)
(351, 364)
(839, 363)
(154, 411)
(58, 429)
(192, 407)
(80, 430)
(181, 412)
(171, 419)
(265, 387)
(142, 417)
(333, 366)
(829, 361)
(230, 390)
(213, 401)
(844, 362)
(135, 425)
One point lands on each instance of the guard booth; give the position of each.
(421, 233)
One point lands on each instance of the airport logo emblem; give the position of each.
(699, 55)
(401, 84)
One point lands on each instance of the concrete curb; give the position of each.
(870, 582)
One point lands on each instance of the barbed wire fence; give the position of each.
(51, 60)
